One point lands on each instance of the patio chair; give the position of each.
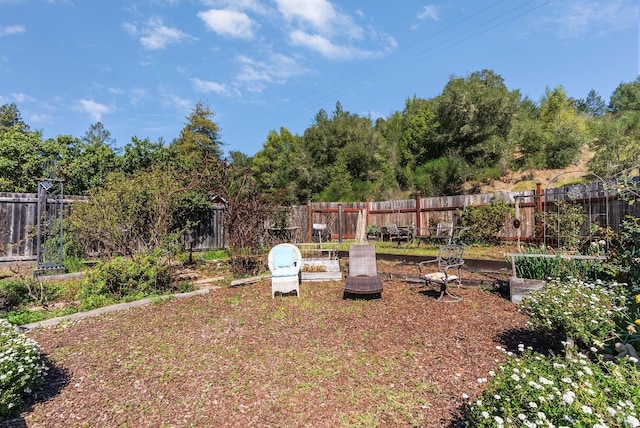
(450, 258)
(363, 276)
(444, 232)
(285, 264)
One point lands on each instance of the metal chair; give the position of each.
(450, 257)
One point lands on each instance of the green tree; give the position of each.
(475, 115)
(564, 131)
(143, 154)
(88, 160)
(10, 117)
(274, 166)
(199, 139)
(626, 97)
(593, 104)
(615, 142)
(24, 156)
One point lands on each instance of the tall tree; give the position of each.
(564, 130)
(199, 138)
(274, 166)
(474, 110)
(593, 104)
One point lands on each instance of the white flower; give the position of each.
(632, 421)
(485, 414)
(568, 397)
(586, 410)
(532, 404)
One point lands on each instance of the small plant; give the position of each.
(538, 391)
(215, 255)
(544, 267)
(21, 368)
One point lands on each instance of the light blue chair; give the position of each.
(285, 264)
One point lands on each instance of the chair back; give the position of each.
(444, 228)
(284, 256)
(362, 260)
(450, 255)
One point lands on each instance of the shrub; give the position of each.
(21, 368)
(583, 311)
(120, 277)
(485, 221)
(540, 391)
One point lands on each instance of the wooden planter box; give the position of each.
(519, 287)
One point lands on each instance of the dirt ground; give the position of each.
(238, 358)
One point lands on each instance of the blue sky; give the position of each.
(140, 66)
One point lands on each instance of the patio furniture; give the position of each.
(443, 232)
(399, 234)
(285, 264)
(363, 276)
(450, 258)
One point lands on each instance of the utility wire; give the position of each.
(492, 23)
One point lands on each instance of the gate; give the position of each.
(50, 226)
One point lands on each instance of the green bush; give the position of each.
(21, 368)
(121, 276)
(485, 221)
(124, 279)
(538, 391)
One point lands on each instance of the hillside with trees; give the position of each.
(476, 131)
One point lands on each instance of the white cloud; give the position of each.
(276, 69)
(155, 35)
(94, 109)
(20, 97)
(590, 17)
(248, 5)
(321, 16)
(172, 100)
(208, 86)
(228, 23)
(429, 12)
(334, 51)
(11, 30)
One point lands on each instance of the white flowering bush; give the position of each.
(586, 312)
(538, 391)
(21, 367)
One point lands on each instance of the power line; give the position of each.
(485, 26)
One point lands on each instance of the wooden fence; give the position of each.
(600, 202)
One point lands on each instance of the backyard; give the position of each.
(236, 357)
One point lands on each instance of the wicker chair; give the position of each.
(363, 276)
(285, 264)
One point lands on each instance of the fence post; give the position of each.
(418, 216)
(309, 221)
(539, 209)
(340, 223)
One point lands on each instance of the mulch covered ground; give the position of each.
(237, 358)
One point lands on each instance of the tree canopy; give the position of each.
(470, 133)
